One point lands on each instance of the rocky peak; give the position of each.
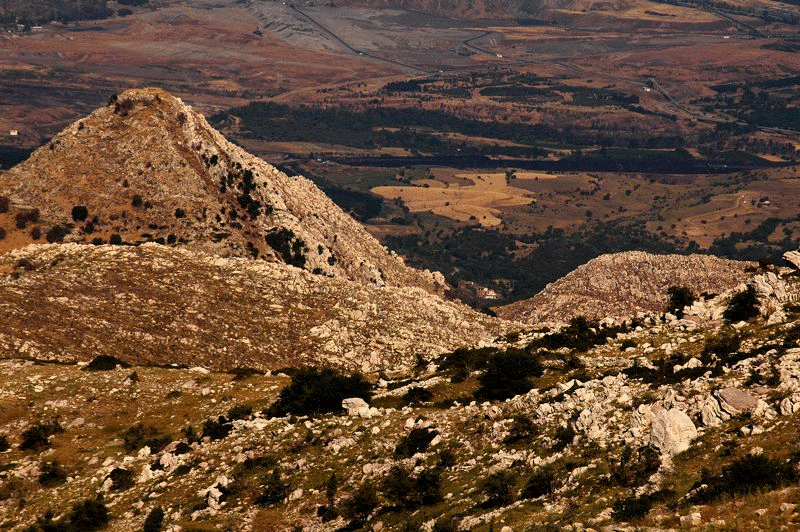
(146, 167)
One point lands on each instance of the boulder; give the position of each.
(672, 431)
(735, 401)
(793, 258)
(355, 406)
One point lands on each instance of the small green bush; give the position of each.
(417, 395)
(626, 344)
(539, 484)
(508, 373)
(4, 445)
(105, 363)
(121, 479)
(743, 306)
(721, 345)
(679, 298)
(37, 437)
(79, 213)
(631, 508)
(746, 475)
(139, 436)
(52, 474)
(361, 504)
(635, 466)
(239, 411)
(5, 204)
(154, 520)
(313, 392)
(501, 488)
(414, 442)
(275, 490)
(216, 429)
(522, 429)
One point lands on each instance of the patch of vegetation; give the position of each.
(680, 297)
(508, 373)
(154, 520)
(216, 429)
(635, 466)
(105, 363)
(314, 392)
(539, 484)
(121, 479)
(37, 437)
(361, 504)
(52, 474)
(414, 442)
(407, 491)
(290, 247)
(743, 306)
(522, 430)
(275, 490)
(417, 395)
(139, 436)
(747, 474)
(500, 488)
(86, 516)
(581, 335)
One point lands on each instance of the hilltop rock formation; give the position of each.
(622, 284)
(146, 167)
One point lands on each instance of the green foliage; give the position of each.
(5, 204)
(139, 436)
(331, 487)
(79, 213)
(86, 516)
(631, 508)
(742, 306)
(216, 429)
(679, 298)
(239, 411)
(314, 392)
(539, 484)
(275, 490)
(722, 345)
(121, 479)
(417, 395)
(154, 520)
(463, 361)
(581, 335)
(403, 489)
(414, 442)
(500, 488)
(508, 373)
(4, 445)
(105, 363)
(635, 466)
(291, 248)
(626, 344)
(361, 504)
(563, 437)
(748, 474)
(522, 430)
(37, 437)
(52, 474)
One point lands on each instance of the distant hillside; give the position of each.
(42, 11)
(622, 284)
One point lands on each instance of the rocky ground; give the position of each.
(651, 422)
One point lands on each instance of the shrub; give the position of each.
(154, 520)
(679, 298)
(631, 508)
(445, 524)
(563, 437)
(180, 213)
(239, 411)
(626, 344)
(522, 429)
(36, 233)
(121, 479)
(447, 459)
(327, 513)
(37, 437)
(463, 361)
(401, 488)
(105, 363)
(500, 488)
(291, 248)
(721, 345)
(580, 335)
(742, 306)
(52, 474)
(417, 395)
(275, 490)
(540, 483)
(508, 374)
(4, 445)
(635, 467)
(139, 436)
(314, 392)
(79, 213)
(115, 240)
(137, 201)
(22, 219)
(745, 475)
(359, 507)
(3, 233)
(5, 204)
(216, 430)
(89, 515)
(414, 442)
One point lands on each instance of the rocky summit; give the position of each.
(204, 343)
(147, 168)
